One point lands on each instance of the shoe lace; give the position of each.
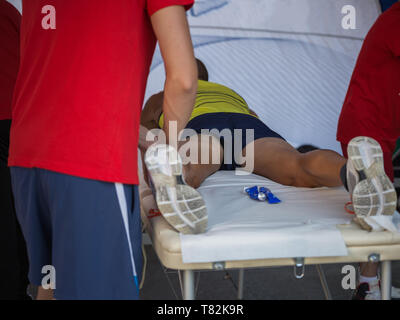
(346, 207)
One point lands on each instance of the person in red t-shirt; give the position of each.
(75, 133)
(372, 106)
(14, 262)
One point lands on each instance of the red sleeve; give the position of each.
(155, 5)
(393, 41)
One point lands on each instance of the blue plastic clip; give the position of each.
(270, 196)
(262, 194)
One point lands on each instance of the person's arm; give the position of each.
(149, 120)
(172, 31)
(152, 111)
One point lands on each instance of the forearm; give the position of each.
(150, 125)
(178, 105)
(172, 31)
(147, 138)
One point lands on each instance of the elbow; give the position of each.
(185, 83)
(189, 85)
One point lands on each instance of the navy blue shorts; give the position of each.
(233, 122)
(88, 230)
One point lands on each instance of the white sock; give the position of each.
(368, 279)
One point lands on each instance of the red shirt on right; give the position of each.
(372, 104)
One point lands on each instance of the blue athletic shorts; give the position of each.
(232, 121)
(76, 225)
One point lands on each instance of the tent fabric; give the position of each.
(290, 60)
(17, 4)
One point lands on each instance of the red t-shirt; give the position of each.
(80, 88)
(10, 20)
(372, 104)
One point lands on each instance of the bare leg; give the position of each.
(205, 153)
(277, 160)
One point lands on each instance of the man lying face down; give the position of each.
(228, 135)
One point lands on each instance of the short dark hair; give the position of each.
(202, 70)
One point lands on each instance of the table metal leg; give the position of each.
(324, 283)
(386, 281)
(188, 285)
(240, 284)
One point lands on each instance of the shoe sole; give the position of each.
(181, 205)
(374, 194)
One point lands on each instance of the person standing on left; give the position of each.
(75, 136)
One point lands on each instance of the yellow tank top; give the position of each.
(211, 98)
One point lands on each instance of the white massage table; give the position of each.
(361, 245)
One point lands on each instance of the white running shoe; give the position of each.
(371, 190)
(181, 205)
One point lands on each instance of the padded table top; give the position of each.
(360, 244)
